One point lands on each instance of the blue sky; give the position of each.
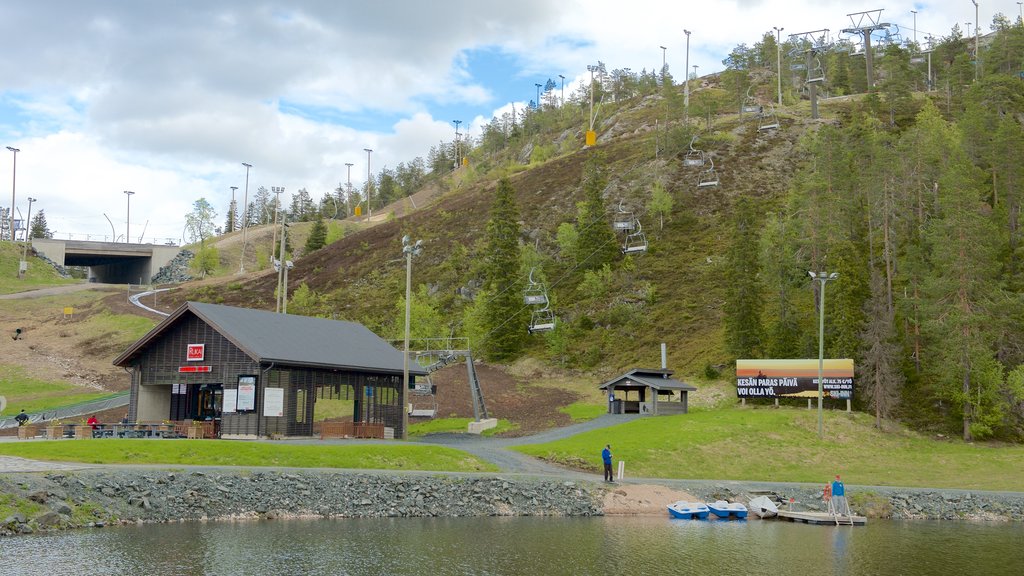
(167, 99)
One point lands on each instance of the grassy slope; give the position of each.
(24, 392)
(39, 274)
(216, 453)
(782, 445)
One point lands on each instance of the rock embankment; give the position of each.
(97, 498)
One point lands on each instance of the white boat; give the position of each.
(763, 507)
(688, 510)
(724, 509)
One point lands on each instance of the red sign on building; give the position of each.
(195, 353)
(194, 369)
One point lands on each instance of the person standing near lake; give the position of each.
(839, 497)
(606, 456)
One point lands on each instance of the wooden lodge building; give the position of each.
(254, 373)
(647, 391)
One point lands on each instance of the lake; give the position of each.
(529, 546)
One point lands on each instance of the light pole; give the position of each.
(1020, 9)
(409, 250)
(537, 106)
(695, 66)
(277, 190)
(234, 210)
(686, 85)
(14, 181)
(821, 278)
(23, 268)
(591, 68)
(369, 208)
(348, 185)
(914, 12)
(457, 162)
(663, 52)
(245, 218)
(778, 57)
(282, 269)
(128, 218)
(562, 99)
(977, 47)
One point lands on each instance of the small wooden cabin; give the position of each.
(647, 391)
(254, 373)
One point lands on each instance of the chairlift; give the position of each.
(708, 177)
(917, 60)
(624, 220)
(636, 241)
(694, 157)
(423, 400)
(535, 294)
(798, 66)
(817, 73)
(767, 120)
(542, 320)
(750, 104)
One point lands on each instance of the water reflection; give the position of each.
(536, 546)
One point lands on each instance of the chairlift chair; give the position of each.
(535, 294)
(817, 73)
(708, 177)
(750, 104)
(624, 220)
(542, 320)
(767, 120)
(694, 157)
(635, 242)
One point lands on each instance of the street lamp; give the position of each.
(282, 265)
(778, 57)
(348, 186)
(234, 210)
(23, 268)
(277, 205)
(457, 162)
(914, 12)
(369, 208)
(977, 47)
(245, 218)
(409, 250)
(686, 85)
(537, 105)
(821, 278)
(663, 49)
(592, 68)
(562, 99)
(128, 218)
(14, 180)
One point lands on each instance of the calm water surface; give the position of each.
(528, 546)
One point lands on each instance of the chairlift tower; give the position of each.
(864, 24)
(810, 44)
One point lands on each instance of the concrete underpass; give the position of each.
(109, 262)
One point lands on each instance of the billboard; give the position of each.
(794, 378)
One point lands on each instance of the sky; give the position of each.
(168, 98)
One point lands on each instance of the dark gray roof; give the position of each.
(658, 379)
(285, 339)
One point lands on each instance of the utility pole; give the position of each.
(277, 190)
(537, 103)
(245, 218)
(369, 208)
(562, 99)
(686, 85)
(409, 249)
(457, 151)
(234, 210)
(663, 52)
(348, 185)
(977, 47)
(778, 57)
(821, 278)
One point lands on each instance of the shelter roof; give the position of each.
(656, 378)
(286, 339)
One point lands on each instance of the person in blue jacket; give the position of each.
(839, 496)
(606, 456)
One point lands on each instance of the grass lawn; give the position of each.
(39, 275)
(455, 425)
(782, 445)
(237, 453)
(33, 395)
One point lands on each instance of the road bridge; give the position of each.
(109, 262)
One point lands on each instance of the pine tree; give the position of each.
(880, 375)
(743, 301)
(502, 313)
(317, 236)
(39, 228)
(595, 245)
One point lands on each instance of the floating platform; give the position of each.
(820, 518)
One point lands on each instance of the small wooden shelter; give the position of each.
(252, 373)
(654, 392)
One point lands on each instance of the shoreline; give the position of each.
(100, 496)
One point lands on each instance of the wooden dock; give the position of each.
(823, 518)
